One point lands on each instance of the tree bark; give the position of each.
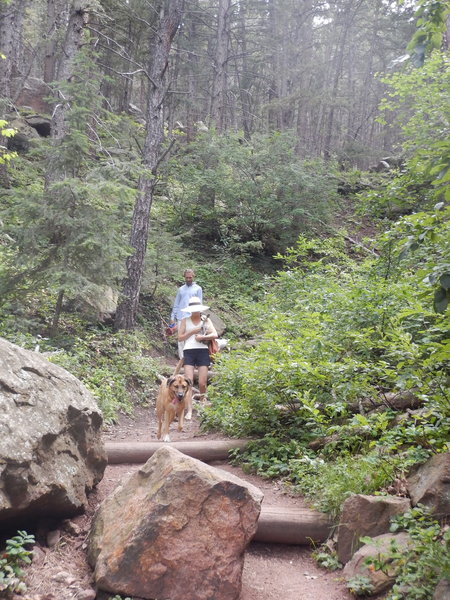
(170, 18)
(56, 315)
(11, 22)
(243, 74)
(78, 18)
(64, 71)
(57, 13)
(218, 100)
(348, 16)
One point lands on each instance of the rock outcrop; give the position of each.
(430, 485)
(98, 303)
(442, 591)
(177, 529)
(378, 549)
(31, 93)
(51, 453)
(365, 515)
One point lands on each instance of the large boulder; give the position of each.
(218, 323)
(442, 591)
(430, 485)
(177, 529)
(24, 133)
(51, 452)
(364, 515)
(31, 93)
(379, 548)
(99, 303)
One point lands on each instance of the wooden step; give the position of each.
(287, 525)
(140, 452)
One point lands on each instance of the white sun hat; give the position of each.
(195, 305)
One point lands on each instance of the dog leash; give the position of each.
(169, 327)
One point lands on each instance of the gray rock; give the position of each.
(430, 485)
(88, 594)
(51, 452)
(53, 537)
(442, 591)
(217, 322)
(99, 303)
(381, 580)
(42, 125)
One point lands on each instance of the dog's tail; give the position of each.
(178, 367)
(180, 363)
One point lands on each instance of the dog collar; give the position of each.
(174, 400)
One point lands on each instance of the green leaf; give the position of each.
(9, 132)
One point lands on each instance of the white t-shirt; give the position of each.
(191, 343)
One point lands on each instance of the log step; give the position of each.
(140, 452)
(297, 526)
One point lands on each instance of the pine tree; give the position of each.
(67, 230)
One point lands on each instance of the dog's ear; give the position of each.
(189, 381)
(170, 381)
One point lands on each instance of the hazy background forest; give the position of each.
(296, 154)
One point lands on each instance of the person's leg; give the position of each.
(202, 380)
(189, 373)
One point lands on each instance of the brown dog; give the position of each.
(174, 396)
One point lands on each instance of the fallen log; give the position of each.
(401, 400)
(299, 526)
(140, 452)
(336, 438)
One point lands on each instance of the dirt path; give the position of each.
(271, 571)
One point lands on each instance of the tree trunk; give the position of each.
(64, 70)
(57, 13)
(218, 100)
(305, 81)
(243, 74)
(348, 17)
(169, 22)
(11, 23)
(58, 309)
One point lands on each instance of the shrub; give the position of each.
(114, 369)
(14, 556)
(424, 563)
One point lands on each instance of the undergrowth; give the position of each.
(419, 568)
(12, 560)
(115, 367)
(332, 334)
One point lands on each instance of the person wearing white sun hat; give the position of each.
(195, 331)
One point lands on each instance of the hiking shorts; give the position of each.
(197, 357)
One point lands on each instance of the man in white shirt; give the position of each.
(185, 292)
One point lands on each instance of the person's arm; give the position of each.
(183, 334)
(176, 305)
(211, 335)
(200, 293)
